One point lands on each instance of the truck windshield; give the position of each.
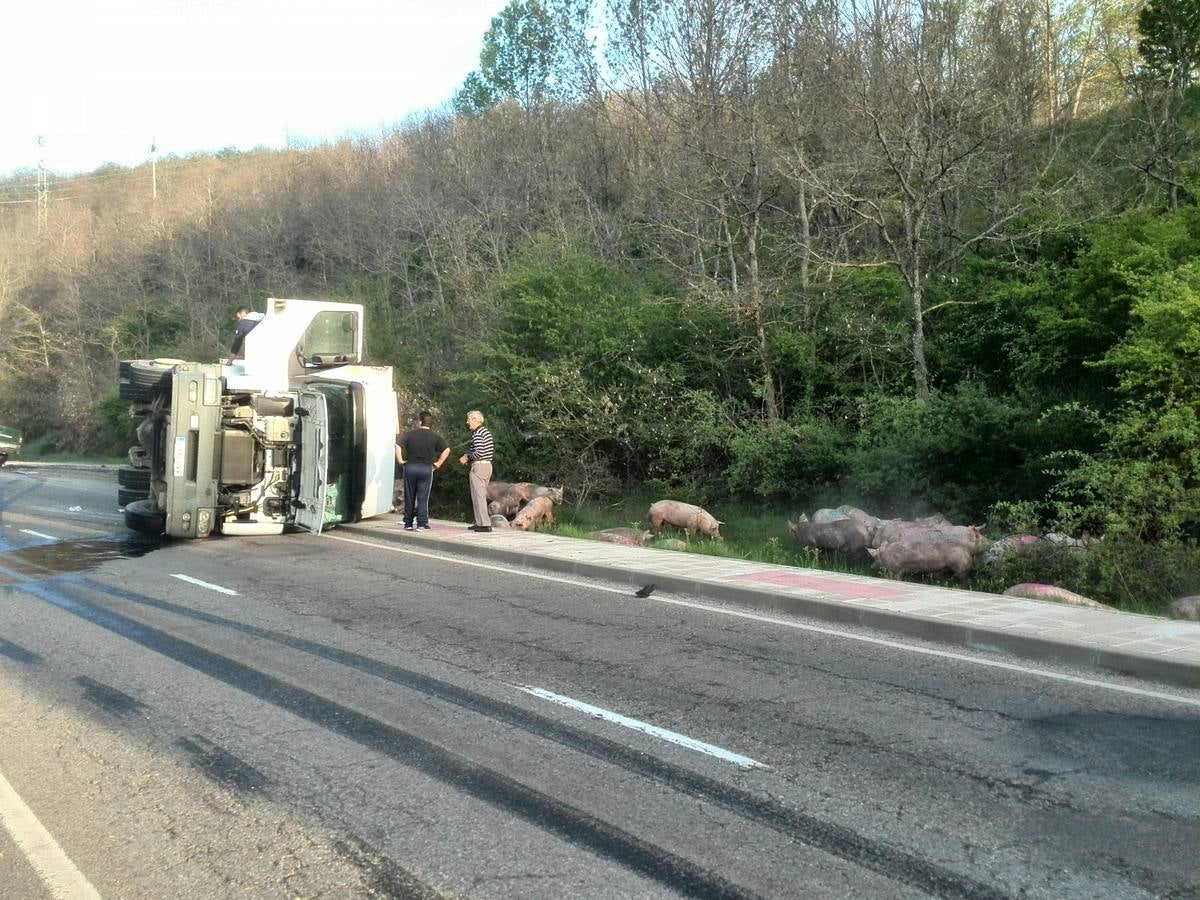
(331, 339)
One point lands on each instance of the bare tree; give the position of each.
(940, 97)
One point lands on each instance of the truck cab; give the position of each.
(298, 434)
(10, 442)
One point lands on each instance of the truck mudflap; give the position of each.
(313, 451)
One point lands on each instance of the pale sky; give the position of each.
(102, 79)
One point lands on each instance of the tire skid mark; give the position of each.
(540, 810)
(221, 766)
(836, 840)
(385, 878)
(108, 697)
(18, 653)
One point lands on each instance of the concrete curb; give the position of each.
(70, 466)
(972, 637)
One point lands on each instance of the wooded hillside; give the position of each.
(916, 255)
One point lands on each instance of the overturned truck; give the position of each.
(299, 434)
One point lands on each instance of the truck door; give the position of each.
(313, 452)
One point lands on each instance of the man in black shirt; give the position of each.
(246, 320)
(421, 451)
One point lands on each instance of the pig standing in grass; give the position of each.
(918, 556)
(691, 519)
(860, 515)
(554, 493)
(969, 536)
(845, 534)
(537, 511)
(497, 489)
(522, 492)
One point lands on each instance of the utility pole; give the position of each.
(42, 185)
(154, 168)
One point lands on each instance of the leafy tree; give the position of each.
(475, 96)
(1170, 44)
(1170, 51)
(516, 61)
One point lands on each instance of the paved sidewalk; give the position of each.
(1144, 646)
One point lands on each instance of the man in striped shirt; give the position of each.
(479, 455)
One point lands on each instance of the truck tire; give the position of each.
(131, 392)
(135, 479)
(143, 516)
(125, 496)
(151, 373)
(3, 458)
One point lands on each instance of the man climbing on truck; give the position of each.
(245, 320)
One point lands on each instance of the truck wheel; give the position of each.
(143, 516)
(126, 496)
(131, 392)
(152, 373)
(3, 458)
(135, 479)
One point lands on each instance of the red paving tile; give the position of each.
(848, 589)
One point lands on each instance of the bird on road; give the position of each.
(644, 591)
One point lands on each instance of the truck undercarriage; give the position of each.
(247, 449)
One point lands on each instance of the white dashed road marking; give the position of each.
(48, 537)
(743, 762)
(787, 623)
(204, 584)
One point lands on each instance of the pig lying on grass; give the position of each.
(1037, 591)
(523, 491)
(632, 537)
(691, 519)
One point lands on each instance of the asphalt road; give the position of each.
(322, 717)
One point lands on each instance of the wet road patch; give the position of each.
(69, 556)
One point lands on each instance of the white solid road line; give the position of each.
(48, 537)
(787, 623)
(204, 584)
(53, 866)
(742, 762)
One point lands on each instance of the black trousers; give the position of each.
(418, 482)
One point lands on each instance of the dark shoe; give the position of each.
(424, 528)
(481, 528)
(410, 528)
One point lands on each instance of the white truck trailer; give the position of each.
(299, 434)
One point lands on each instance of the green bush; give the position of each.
(114, 433)
(1143, 484)
(1134, 576)
(958, 452)
(792, 459)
